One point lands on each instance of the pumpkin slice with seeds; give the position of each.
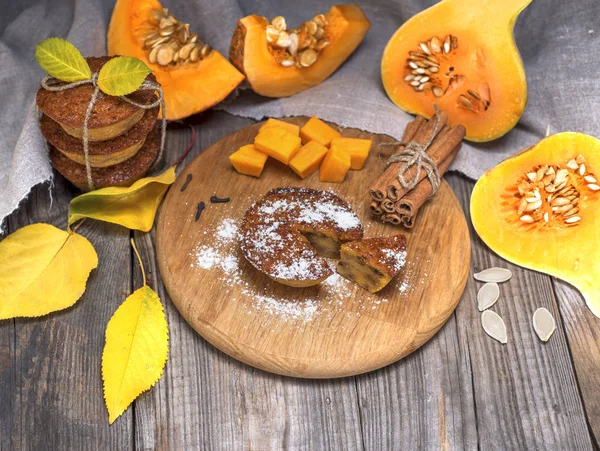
(280, 61)
(540, 209)
(461, 56)
(193, 76)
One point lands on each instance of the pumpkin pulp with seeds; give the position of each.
(461, 56)
(540, 209)
(280, 61)
(192, 75)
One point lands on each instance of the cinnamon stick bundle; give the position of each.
(393, 203)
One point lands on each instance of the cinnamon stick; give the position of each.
(410, 204)
(420, 193)
(380, 190)
(394, 204)
(376, 208)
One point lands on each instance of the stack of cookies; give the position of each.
(123, 139)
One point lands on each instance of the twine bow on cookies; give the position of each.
(415, 154)
(52, 84)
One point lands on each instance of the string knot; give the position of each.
(50, 83)
(415, 154)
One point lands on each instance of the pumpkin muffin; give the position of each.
(101, 153)
(286, 233)
(111, 116)
(372, 262)
(123, 174)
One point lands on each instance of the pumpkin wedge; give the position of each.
(193, 76)
(460, 55)
(541, 210)
(280, 62)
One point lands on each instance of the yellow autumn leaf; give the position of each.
(43, 269)
(136, 349)
(133, 207)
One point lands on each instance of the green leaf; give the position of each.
(62, 60)
(122, 75)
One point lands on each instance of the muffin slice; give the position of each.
(372, 262)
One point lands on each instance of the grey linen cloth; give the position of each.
(559, 43)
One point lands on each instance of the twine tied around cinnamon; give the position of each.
(50, 83)
(415, 154)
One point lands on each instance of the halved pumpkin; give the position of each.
(189, 86)
(460, 55)
(541, 210)
(274, 70)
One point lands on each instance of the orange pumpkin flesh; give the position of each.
(485, 68)
(251, 54)
(558, 235)
(189, 87)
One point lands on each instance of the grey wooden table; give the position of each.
(462, 390)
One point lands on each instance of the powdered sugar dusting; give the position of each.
(397, 258)
(219, 253)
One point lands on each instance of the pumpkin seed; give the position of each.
(487, 296)
(185, 51)
(494, 274)
(593, 187)
(283, 40)
(543, 324)
(572, 164)
(494, 326)
(463, 101)
(152, 55)
(590, 179)
(435, 45)
(320, 20)
(582, 169)
(308, 57)
(166, 42)
(319, 33)
(425, 48)
(287, 63)
(165, 55)
(527, 219)
(572, 220)
(279, 23)
(311, 27)
(272, 34)
(447, 44)
(322, 44)
(580, 159)
(194, 55)
(437, 91)
(561, 177)
(534, 205)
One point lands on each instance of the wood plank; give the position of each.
(56, 401)
(206, 399)
(583, 336)
(424, 401)
(526, 393)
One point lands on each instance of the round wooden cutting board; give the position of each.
(332, 330)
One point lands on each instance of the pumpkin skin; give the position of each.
(188, 88)
(567, 252)
(250, 53)
(486, 54)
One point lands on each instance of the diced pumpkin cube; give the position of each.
(335, 166)
(249, 161)
(277, 143)
(317, 130)
(357, 148)
(292, 128)
(308, 158)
